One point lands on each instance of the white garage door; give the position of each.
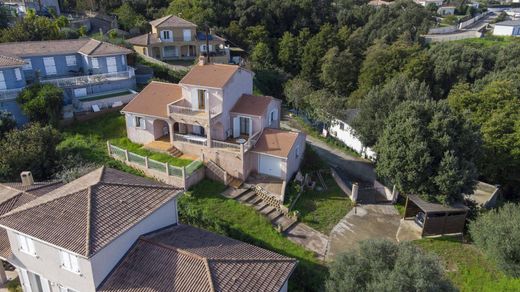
(270, 165)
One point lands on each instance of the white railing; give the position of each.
(251, 142)
(190, 139)
(183, 107)
(222, 144)
(9, 94)
(89, 79)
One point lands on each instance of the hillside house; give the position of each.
(113, 231)
(507, 28)
(212, 113)
(89, 71)
(173, 38)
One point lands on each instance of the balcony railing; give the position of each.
(9, 94)
(198, 140)
(184, 108)
(251, 142)
(90, 79)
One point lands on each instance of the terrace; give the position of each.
(183, 110)
(91, 79)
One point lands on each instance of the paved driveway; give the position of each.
(374, 221)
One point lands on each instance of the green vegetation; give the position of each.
(163, 73)
(42, 103)
(14, 285)
(467, 267)
(323, 209)
(381, 265)
(204, 207)
(491, 40)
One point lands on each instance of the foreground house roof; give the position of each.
(185, 258)
(254, 105)
(153, 100)
(86, 214)
(276, 142)
(85, 46)
(210, 75)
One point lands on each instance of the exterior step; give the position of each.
(232, 193)
(174, 152)
(255, 200)
(274, 215)
(235, 182)
(260, 205)
(268, 209)
(284, 222)
(246, 196)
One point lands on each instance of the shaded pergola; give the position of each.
(439, 219)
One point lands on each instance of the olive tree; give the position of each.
(380, 265)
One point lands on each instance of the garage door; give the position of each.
(270, 165)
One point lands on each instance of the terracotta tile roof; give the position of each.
(154, 98)
(255, 105)
(6, 62)
(210, 75)
(276, 142)
(171, 21)
(86, 214)
(140, 40)
(185, 258)
(60, 47)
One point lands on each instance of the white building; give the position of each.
(507, 28)
(341, 130)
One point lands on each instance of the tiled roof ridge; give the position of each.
(38, 185)
(98, 43)
(63, 40)
(172, 248)
(89, 217)
(165, 18)
(285, 259)
(209, 274)
(165, 187)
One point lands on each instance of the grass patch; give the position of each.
(300, 124)
(322, 210)
(491, 40)
(125, 143)
(467, 267)
(203, 206)
(400, 205)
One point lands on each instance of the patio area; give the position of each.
(268, 183)
(162, 144)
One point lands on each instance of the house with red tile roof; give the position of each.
(174, 38)
(213, 114)
(112, 231)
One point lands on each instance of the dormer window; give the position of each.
(167, 35)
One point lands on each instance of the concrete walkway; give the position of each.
(375, 221)
(308, 237)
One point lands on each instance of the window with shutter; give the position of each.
(69, 262)
(18, 74)
(3, 84)
(26, 245)
(71, 60)
(95, 63)
(50, 66)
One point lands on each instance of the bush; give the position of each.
(32, 148)
(497, 233)
(7, 122)
(381, 265)
(42, 103)
(162, 72)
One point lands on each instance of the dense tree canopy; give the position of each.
(386, 266)
(7, 122)
(32, 148)
(42, 103)
(497, 233)
(31, 28)
(430, 150)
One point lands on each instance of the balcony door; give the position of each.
(111, 65)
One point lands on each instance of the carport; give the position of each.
(438, 219)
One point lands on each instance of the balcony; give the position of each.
(9, 94)
(91, 79)
(183, 111)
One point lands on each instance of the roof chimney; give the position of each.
(27, 178)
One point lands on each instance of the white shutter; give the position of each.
(18, 74)
(123, 59)
(65, 260)
(187, 35)
(111, 64)
(250, 130)
(30, 245)
(275, 116)
(74, 263)
(25, 280)
(22, 243)
(95, 63)
(195, 99)
(3, 85)
(236, 127)
(143, 124)
(50, 66)
(80, 92)
(27, 66)
(71, 60)
(45, 284)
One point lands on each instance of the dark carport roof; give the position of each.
(428, 207)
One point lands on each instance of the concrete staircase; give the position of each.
(233, 181)
(174, 152)
(248, 197)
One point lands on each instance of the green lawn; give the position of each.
(202, 206)
(88, 140)
(323, 209)
(491, 40)
(468, 268)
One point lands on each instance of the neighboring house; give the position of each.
(89, 71)
(425, 3)
(42, 7)
(173, 38)
(212, 114)
(109, 230)
(446, 10)
(507, 28)
(342, 130)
